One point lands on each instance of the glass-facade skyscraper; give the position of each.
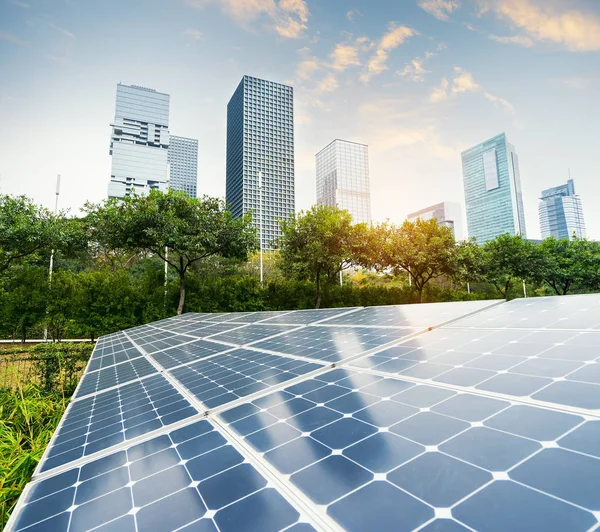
(260, 138)
(493, 194)
(447, 214)
(139, 141)
(183, 164)
(561, 214)
(343, 178)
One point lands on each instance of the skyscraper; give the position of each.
(343, 178)
(493, 195)
(183, 164)
(447, 214)
(260, 138)
(139, 141)
(561, 215)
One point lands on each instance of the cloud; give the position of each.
(523, 40)
(193, 35)
(64, 31)
(5, 36)
(328, 84)
(505, 104)
(462, 82)
(415, 70)
(440, 9)
(352, 14)
(395, 36)
(24, 5)
(575, 30)
(344, 56)
(288, 17)
(306, 68)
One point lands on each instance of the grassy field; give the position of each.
(36, 383)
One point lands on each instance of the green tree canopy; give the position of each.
(25, 229)
(178, 229)
(317, 245)
(510, 257)
(422, 248)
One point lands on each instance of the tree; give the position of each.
(561, 263)
(180, 230)
(317, 245)
(25, 229)
(510, 257)
(422, 248)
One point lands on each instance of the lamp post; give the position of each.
(260, 223)
(57, 193)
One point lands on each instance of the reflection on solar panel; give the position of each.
(356, 419)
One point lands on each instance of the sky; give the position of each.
(419, 81)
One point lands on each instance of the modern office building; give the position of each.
(139, 141)
(260, 138)
(343, 178)
(561, 215)
(183, 164)
(447, 214)
(493, 195)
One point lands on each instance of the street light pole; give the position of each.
(52, 252)
(260, 224)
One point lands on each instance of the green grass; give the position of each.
(36, 383)
(28, 417)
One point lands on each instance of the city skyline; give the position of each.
(447, 214)
(413, 81)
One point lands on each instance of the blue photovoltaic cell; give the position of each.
(419, 316)
(306, 317)
(188, 477)
(387, 454)
(331, 344)
(196, 350)
(106, 419)
(227, 377)
(251, 333)
(441, 432)
(559, 312)
(561, 367)
(114, 375)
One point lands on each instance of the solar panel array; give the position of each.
(436, 417)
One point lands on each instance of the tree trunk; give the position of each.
(181, 287)
(318, 289)
(420, 291)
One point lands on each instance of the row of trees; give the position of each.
(321, 242)
(109, 264)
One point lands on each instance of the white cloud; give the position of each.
(461, 82)
(24, 5)
(352, 14)
(542, 21)
(522, 40)
(5, 36)
(64, 31)
(328, 84)
(415, 70)
(395, 36)
(505, 104)
(441, 93)
(288, 17)
(440, 9)
(344, 56)
(193, 35)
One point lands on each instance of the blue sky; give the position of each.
(417, 80)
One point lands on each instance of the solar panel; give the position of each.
(422, 316)
(109, 418)
(227, 377)
(420, 454)
(331, 343)
(190, 477)
(438, 417)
